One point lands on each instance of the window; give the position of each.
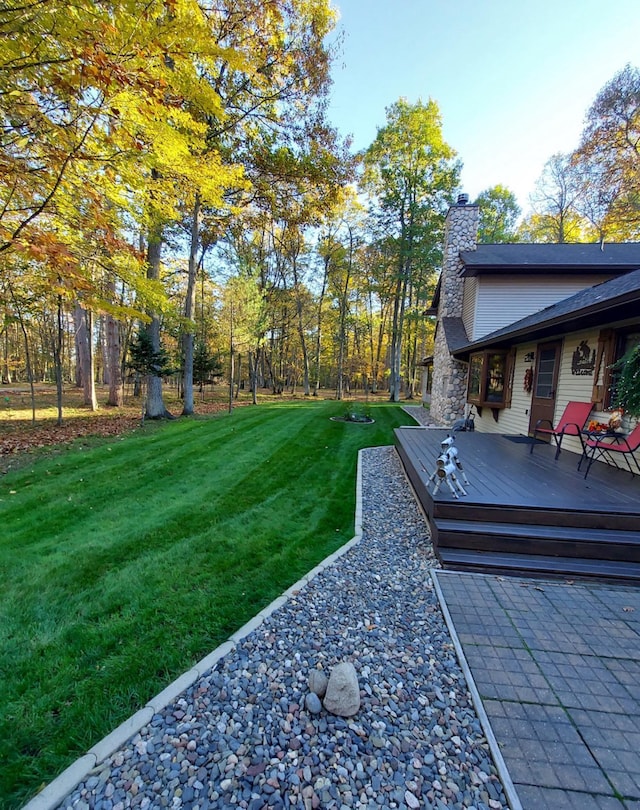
(488, 379)
(546, 372)
(612, 345)
(475, 377)
(496, 368)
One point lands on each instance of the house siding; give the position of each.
(515, 420)
(571, 387)
(512, 421)
(501, 300)
(469, 306)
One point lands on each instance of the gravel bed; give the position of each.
(421, 415)
(242, 736)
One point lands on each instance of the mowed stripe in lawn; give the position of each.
(124, 564)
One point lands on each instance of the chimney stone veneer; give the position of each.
(448, 390)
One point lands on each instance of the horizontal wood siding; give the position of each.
(512, 421)
(501, 300)
(515, 420)
(469, 306)
(571, 386)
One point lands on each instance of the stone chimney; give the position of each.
(460, 233)
(448, 392)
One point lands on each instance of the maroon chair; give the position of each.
(612, 447)
(571, 423)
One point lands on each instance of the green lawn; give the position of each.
(123, 564)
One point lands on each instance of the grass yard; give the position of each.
(125, 561)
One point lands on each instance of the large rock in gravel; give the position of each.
(343, 692)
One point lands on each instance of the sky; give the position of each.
(513, 79)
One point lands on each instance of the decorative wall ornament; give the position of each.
(528, 380)
(583, 360)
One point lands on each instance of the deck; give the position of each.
(526, 513)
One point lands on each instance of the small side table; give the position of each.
(594, 436)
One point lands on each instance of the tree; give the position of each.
(413, 173)
(274, 120)
(608, 158)
(626, 387)
(499, 212)
(206, 366)
(73, 86)
(148, 360)
(110, 97)
(555, 218)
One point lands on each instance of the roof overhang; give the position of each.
(624, 311)
(524, 258)
(470, 271)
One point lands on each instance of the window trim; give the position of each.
(481, 399)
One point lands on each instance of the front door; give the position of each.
(545, 380)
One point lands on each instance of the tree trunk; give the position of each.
(253, 375)
(80, 349)
(113, 359)
(239, 375)
(343, 304)
(6, 370)
(340, 371)
(104, 351)
(318, 347)
(231, 376)
(155, 407)
(395, 361)
(84, 347)
(57, 357)
(188, 336)
(27, 353)
(300, 325)
(231, 366)
(305, 353)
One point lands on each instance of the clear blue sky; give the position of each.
(513, 78)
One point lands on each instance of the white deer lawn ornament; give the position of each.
(447, 465)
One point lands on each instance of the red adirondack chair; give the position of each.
(612, 447)
(571, 423)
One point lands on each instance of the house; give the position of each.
(522, 329)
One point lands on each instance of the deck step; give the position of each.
(538, 531)
(532, 540)
(494, 562)
(527, 516)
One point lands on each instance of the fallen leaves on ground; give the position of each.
(26, 438)
(18, 439)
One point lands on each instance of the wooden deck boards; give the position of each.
(526, 506)
(503, 472)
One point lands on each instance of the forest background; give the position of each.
(175, 206)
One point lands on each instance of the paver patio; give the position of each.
(557, 666)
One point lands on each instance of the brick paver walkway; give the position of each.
(557, 666)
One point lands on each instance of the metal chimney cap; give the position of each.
(463, 199)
